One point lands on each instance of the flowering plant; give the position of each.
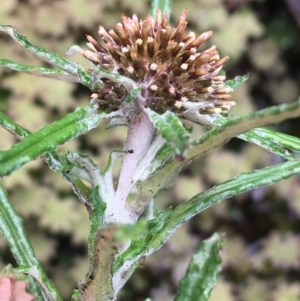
(148, 77)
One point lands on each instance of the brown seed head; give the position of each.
(164, 61)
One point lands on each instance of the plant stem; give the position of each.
(139, 138)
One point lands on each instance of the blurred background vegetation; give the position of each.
(262, 254)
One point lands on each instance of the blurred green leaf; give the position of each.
(164, 5)
(284, 141)
(39, 71)
(203, 270)
(139, 243)
(269, 144)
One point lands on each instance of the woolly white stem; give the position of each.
(139, 138)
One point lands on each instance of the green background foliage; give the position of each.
(261, 256)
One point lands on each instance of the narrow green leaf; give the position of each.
(128, 232)
(140, 242)
(171, 128)
(268, 144)
(145, 189)
(83, 167)
(164, 5)
(236, 126)
(12, 127)
(182, 213)
(284, 141)
(113, 157)
(275, 142)
(56, 162)
(41, 53)
(39, 71)
(85, 78)
(89, 197)
(48, 56)
(237, 81)
(48, 138)
(12, 228)
(202, 272)
(210, 121)
(241, 183)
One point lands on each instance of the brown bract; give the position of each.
(164, 61)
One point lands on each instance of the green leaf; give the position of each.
(41, 53)
(56, 163)
(146, 188)
(83, 167)
(143, 246)
(47, 56)
(170, 127)
(128, 232)
(239, 184)
(236, 82)
(140, 242)
(202, 272)
(275, 142)
(85, 78)
(284, 141)
(48, 138)
(12, 228)
(12, 127)
(113, 157)
(164, 5)
(236, 126)
(269, 144)
(74, 167)
(39, 71)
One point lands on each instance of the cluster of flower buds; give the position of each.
(164, 61)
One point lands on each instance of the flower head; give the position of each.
(164, 61)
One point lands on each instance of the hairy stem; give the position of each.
(139, 138)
